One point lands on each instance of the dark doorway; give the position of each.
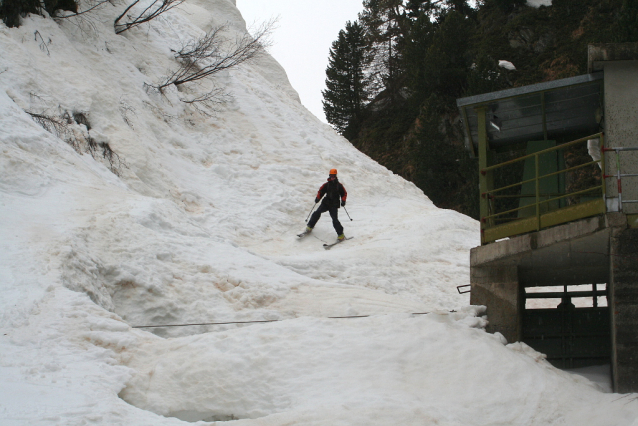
(575, 332)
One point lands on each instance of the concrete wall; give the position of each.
(496, 286)
(605, 247)
(621, 126)
(624, 303)
(573, 253)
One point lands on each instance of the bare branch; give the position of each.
(125, 110)
(214, 53)
(81, 141)
(44, 46)
(59, 126)
(208, 103)
(152, 11)
(92, 7)
(84, 21)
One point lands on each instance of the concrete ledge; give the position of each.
(501, 250)
(516, 246)
(570, 231)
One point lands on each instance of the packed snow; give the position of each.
(198, 227)
(539, 3)
(507, 65)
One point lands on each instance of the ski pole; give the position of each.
(344, 207)
(313, 207)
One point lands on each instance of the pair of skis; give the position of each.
(326, 246)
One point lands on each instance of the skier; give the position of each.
(335, 195)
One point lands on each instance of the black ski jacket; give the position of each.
(334, 191)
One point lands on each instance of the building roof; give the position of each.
(554, 110)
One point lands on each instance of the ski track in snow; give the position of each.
(200, 228)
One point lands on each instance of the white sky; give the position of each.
(306, 30)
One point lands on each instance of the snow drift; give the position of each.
(198, 227)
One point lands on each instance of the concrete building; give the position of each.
(558, 263)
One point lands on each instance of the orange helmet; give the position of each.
(333, 172)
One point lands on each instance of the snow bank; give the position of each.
(395, 369)
(539, 3)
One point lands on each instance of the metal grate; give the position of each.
(569, 336)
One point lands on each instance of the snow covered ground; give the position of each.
(199, 227)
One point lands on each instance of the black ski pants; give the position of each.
(334, 212)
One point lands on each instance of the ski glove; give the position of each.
(343, 203)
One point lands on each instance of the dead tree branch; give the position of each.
(68, 127)
(214, 52)
(92, 6)
(152, 11)
(208, 104)
(44, 46)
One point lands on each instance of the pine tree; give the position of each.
(386, 23)
(11, 11)
(627, 28)
(346, 91)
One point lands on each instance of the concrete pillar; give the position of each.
(624, 306)
(621, 115)
(497, 287)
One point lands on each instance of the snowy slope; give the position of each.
(199, 227)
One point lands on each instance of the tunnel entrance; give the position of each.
(569, 323)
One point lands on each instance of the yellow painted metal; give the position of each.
(602, 165)
(538, 193)
(529, 224)
(524, 157)
(517, 227)
(571, 194)
(542, 218)
(571, 213)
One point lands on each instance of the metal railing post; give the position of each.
(603, 168)
(491, 218)
(538, 205)
(483, 163)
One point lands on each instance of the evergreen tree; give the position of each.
(627, 27)
(438, 57)
(417, 44)
(386, 23)
(11, 11)
(346, 91)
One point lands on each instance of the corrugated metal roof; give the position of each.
(570, 107)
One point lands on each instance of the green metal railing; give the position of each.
(501, 224)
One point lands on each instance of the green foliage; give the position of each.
(12, 11)
(429, 53)
(447, 60)
(485, 76)
(508, 6)
(385, 23)
(51, 6)
(627, 27)
(383, 137)
(445, 173)
(346, 85)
